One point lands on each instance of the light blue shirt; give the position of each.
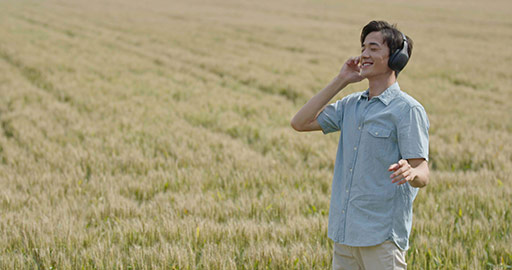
(366, 208)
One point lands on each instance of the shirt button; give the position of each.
(343, 211)
(359, 128)
(350, 169)
(355, 148)
(346, 190)
(376, 133)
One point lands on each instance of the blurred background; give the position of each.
(155, 134)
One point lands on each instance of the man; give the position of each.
(382, 153)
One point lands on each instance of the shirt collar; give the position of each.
(386, 96)
(365, 94)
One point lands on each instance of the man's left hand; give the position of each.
(402, 172)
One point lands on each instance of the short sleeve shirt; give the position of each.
(366, 209)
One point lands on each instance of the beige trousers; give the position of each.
(380, 257)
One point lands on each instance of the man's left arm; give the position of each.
(413, 144)
(414, 170)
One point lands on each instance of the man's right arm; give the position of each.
(306, 117)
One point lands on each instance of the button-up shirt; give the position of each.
(366, 208)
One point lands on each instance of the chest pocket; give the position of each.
(380, 144)
(379, 132)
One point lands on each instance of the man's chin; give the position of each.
(365, 75)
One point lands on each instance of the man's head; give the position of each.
(379, 40)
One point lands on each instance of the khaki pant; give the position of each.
(384, 256)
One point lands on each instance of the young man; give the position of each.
(382, 153)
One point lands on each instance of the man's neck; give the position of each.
(379, 85)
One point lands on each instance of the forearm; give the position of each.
(314, 106)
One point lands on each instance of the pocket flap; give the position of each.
(379, 132)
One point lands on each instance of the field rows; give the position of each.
(156, 134)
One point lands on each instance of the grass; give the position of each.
(155, 135)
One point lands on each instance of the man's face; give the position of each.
(374, 56)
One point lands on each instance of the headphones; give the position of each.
(400, 57)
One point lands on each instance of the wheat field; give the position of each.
(155, 134)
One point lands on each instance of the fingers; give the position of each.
(402, 172)
(397, 165)
(353, 61)
(394, 167)
(406, 175)
(405, 180)
(351, 70)
(357, 59)
(403, 162)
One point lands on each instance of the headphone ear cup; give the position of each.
(398, 60)
(400, 57)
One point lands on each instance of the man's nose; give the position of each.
(364, 54)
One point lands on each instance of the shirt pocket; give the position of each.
(380, 145)
(379, 132)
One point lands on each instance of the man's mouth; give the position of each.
(366, 64)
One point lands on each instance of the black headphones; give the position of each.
(400, 57)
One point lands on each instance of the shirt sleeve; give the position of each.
(331, 118)
(413, 133)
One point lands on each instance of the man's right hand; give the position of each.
(350, 71)
(305, 119)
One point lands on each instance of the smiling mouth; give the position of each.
(365, 65)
